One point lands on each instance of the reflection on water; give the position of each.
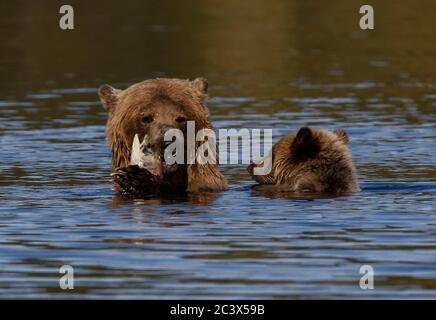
(279, 65)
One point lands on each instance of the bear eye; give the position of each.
(147, 119)
(181, 119)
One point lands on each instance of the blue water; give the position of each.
(269, 66)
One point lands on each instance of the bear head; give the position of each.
(150, 108)
(311, 159)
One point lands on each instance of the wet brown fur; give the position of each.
(165, 101)
(312, 160)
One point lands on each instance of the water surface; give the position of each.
(280, 65)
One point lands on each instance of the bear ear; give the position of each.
(201, 85)
(342, 135)
(108, 97)
(304, 145)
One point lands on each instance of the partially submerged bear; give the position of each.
(148, 109)
(311, 160)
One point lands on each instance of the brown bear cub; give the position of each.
(144, 112)
(311, 160)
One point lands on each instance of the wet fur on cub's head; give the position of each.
(311, 160)
(150, 108)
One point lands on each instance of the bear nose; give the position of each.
(163, 131)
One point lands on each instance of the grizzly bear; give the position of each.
(147, 109)
(311, 160)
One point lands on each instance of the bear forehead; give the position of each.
(172, 96)
(173, 89)
(170, 91)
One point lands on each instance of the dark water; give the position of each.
(281, 65)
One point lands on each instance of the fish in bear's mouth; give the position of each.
(144, 157)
